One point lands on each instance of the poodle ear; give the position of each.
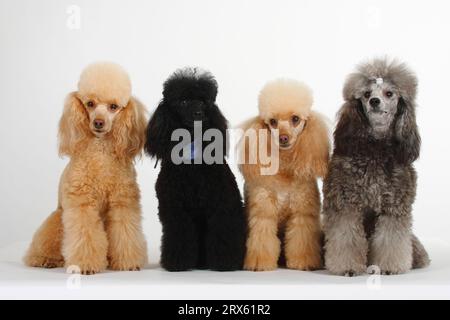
(313, 148)
(352, 124)
(128, 131)
(406, 133)
(218, 121)
(73, 126)
(159, 132)
(249, 149)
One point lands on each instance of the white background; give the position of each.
(243, 43)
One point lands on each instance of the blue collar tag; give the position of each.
(190, 153)
(192, 150)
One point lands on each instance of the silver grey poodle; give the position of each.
(371, 183)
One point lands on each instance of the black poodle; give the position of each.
(371, 184)
(200, 206)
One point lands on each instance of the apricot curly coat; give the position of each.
(284, 209)
(97, 223)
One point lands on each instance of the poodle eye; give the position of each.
(90, 104)
(114, 107)
(295, 119)
(273, 122)
(389, 94)
(367, 94)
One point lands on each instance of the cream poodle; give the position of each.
(97, 223)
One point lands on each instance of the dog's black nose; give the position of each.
(198, 114)
(374, 102)
(98, 123)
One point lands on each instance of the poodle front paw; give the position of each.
(393, 270)
(135, 263)
(176, 268)
(255, 262)
(303, 266)
(304, 262)
(224, 266)
(387, 273)
(392, 266)
(347, 271)
(177, 264)
(124, 267)
(87, 266)
(352, 273)
(346, 262)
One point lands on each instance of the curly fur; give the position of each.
(200, 206)
(283, 209)
(371, 183)
(97, 223)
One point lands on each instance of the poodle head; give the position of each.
(285, 105)
(103, 89)
(190, 93)
(189, 97)
(380, 104)
(381, 87)
(103, 108)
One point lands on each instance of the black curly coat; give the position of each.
(200, 206)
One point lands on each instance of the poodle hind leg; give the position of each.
(127, 250)
(263, 244)
(420, 255)
(225, 240)
(85, 243)
(391, 247)
(180, 241)
(45, 248)
(346, 246)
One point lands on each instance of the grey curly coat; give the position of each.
(371, 183)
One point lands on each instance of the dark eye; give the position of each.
(273, 122)
(367, 94)
(90, 104)
(295, 119)
(389, 94)
(184, 102)
(114, 107)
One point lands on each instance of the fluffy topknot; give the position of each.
(391, 71)
(189, 82)
(285, 95)
(107, 81)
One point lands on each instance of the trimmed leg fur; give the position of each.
(302, 236)
(85, 244)
(127, 248)
(391, 246)
(346, 245)
(263, 245)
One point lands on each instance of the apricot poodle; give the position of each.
(371, 185)
(283, 206)
(97, 223)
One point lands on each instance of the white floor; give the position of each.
(20, 282)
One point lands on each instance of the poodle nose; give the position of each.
(284, 139)
(198, 114)
(374, 102)
(98, 123)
